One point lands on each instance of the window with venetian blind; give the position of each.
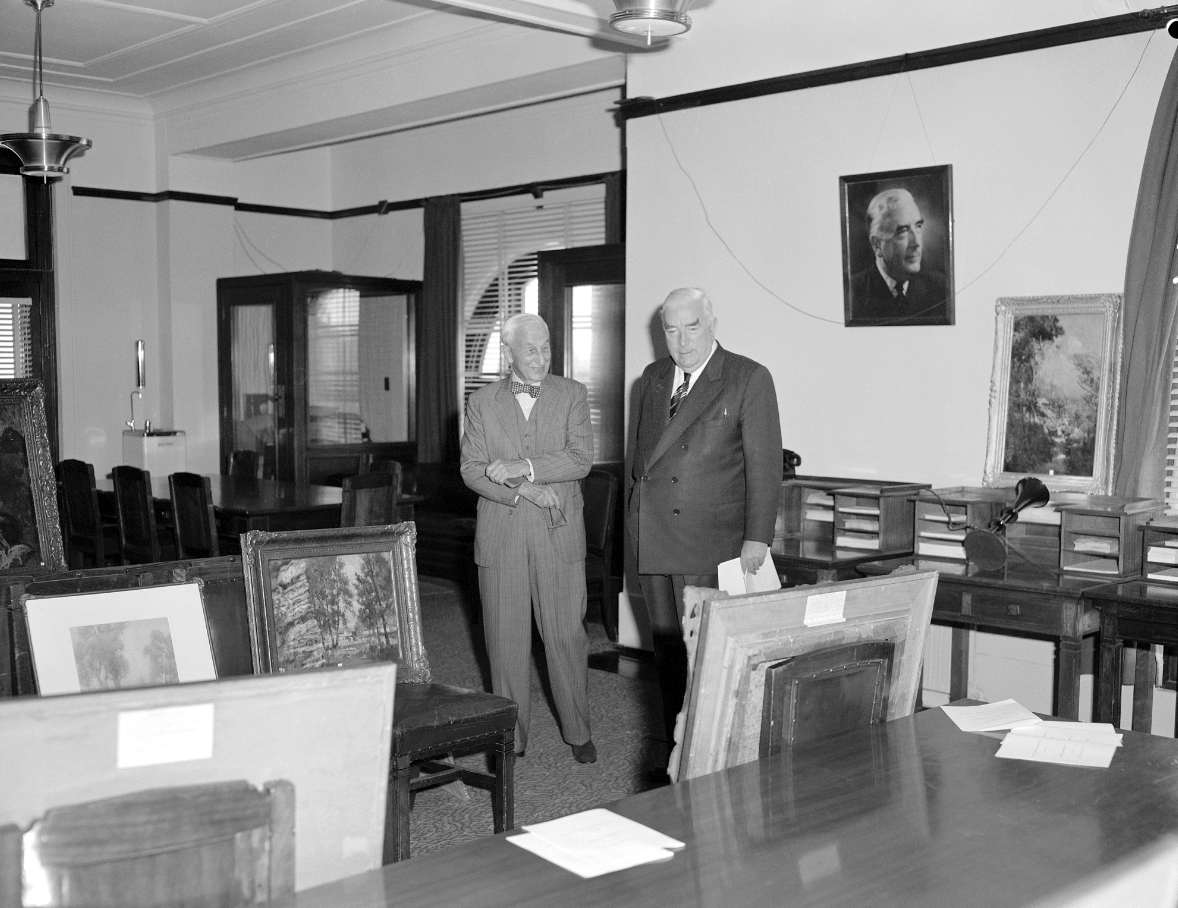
(500, 239)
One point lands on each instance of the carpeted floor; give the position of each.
(625, 716)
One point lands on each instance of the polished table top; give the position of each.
(253, 496)
(911, 813)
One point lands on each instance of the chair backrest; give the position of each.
(192, 515)
(600, 491)
(80, 496)
(243, 464)
(372, 464)
(369, 500)
(224, 843)
(824, 693)
(136, 509)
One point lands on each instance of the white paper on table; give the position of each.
(1024, 744)
(591, 862)
(991, 716)
(736, 582)
(1090, 732)
(600, 827)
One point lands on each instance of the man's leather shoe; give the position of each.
(585, 753)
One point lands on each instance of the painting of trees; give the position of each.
(377, 605)
(1054, 395)
(121, 654)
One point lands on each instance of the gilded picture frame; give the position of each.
(334, 597)
(30, 526)
(1053, 392)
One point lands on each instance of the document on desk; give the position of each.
(736, 582)
(991, 716)
(595, 842)
(1070, 743)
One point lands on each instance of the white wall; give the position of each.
(1043, 192)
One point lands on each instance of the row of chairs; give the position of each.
(134, 537)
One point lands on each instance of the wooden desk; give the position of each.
(1143, 612)
(253, 504)
(1023, 600)
(806, 560)
(913, 813)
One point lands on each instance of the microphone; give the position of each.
(987, 548)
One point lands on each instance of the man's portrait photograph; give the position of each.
(898, 247)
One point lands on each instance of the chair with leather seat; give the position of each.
(86, 536)
(193, 517)
(243, 464)
(369, 500)
(138, 539)
(224, 843)
(600, 492)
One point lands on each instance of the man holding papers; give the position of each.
(706, 475)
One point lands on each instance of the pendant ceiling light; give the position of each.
(652, 18)
(42, 152)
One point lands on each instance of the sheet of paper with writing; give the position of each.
(735, 581)
(596, 841)
(1070, 743)
(991, 716)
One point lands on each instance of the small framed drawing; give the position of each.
(140, 637)
(334, 597)
(30, 530)
(1053, 392)
(898, 247)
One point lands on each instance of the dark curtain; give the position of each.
(1150, 303)
(439, 319)
(615, 207)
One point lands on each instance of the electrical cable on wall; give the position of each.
(1018, 235)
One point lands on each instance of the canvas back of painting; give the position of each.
(328, 733)
(741, 637)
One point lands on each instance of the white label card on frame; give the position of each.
(149, 737)
(825, 608)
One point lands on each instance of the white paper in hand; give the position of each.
(735, 582)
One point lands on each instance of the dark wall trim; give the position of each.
(1074, 33)
(383, 207)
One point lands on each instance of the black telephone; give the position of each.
(790, 461)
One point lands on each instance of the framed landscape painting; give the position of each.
(1053, 393)
(30, 527)
(334, 597)
(139, 637)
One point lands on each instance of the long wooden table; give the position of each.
(911, 813)
(254, 504)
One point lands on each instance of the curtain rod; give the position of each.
(1056, 36)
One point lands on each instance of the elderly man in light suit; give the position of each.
(706, 475)
(528, 442)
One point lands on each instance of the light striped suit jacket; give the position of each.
(558, 438)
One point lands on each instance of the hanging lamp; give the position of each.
(42, 152)
(652, 18)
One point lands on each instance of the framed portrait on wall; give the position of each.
(898, 247)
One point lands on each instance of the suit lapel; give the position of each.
(511, 417)
(705, 390)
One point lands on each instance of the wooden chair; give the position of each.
(192, 515)
(224, 844)
(243, 464)
(600, 491)
(369, 500)
(86, 536)
(824, 693)
(138, 539)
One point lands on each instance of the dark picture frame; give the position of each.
(334, 597)
(867, 297)
(30, 527)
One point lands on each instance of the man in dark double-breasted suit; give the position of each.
(527, 443)
(706, 475)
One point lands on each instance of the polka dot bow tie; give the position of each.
(518, 387)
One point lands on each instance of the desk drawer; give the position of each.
(1000, 610)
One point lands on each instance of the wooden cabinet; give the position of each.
(943, 516)
(315, 369)
(1099, 535)
(1159, 549)
(848, 513)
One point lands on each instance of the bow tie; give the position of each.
(518, 387)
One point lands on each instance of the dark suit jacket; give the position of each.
(558, 438)
(872, 300)
(709, 479)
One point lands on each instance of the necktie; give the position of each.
(679, 394)
(518, 387)
(901, 296)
